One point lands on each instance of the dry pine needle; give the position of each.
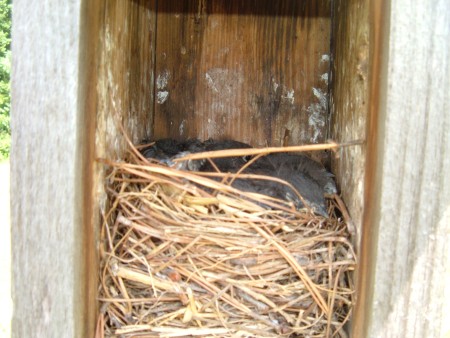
(184, 254)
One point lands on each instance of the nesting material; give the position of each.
(186, 255)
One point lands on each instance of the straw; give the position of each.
(186, 254)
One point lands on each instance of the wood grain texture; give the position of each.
(67, 101)
(92, 23)
(349, 100)
(352, 44)
(123, 94)
(248, 70)
(46, 171)
(125, 75)
(410, 221)
(379, 33)
(124, 87)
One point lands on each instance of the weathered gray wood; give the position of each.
(46, 175)
(80, 69)
(409, 227)
(406, 217)
(349, 100)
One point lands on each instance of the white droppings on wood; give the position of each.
(162, 96)
(288, 95)
(275, 85)
(321, 96)
(223, 86)
(181, 127)
(317, 113)
(161, 83)
(224, 82)
(218, 106)
(316, 121)
(325, 58)
(324, 78)
(211, 83)
(163, 79)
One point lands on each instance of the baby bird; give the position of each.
(225, 164)
(308, 177)
(308, 167)
(166, 150)
(163, 150)
(307, 186)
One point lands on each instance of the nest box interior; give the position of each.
(262, 72)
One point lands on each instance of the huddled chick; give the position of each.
(308, 177)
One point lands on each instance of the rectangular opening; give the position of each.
(254, 71)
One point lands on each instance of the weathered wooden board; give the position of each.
(405, 253)
(249, 70)
(79, 65)
(123, 94)
(125, 75)
(46, 171)
(349, 109)
(79, 69)
(349, 100)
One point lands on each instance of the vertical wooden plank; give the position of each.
(180, 27)
(125, 83)
(91, 21)
(410, 224)
(124, 91)
(349, 99)
(124, 86)
(243, 69)
(46, 175)
(77, 69)
(351, 62)
(378, 20)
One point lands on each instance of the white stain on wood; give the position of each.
(223, 81)
(161, 83)
(288, 95)
(317, 113)
(275, 85)
(162, 96)
(321, 96)
(163, 79)
(224, 86)
(181, 127)
(324, 58)
(211, 84)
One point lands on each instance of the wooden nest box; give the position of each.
(260, 71)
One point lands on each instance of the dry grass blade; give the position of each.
(187, 255)
(259, 151)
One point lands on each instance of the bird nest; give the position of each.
(185, 254)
